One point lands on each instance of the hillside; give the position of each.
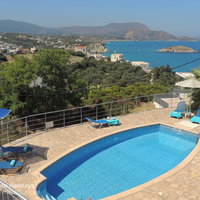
(130, 31)
(110, 30)
(10, 26)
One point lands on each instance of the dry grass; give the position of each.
(144, 106)
(11, 59)
(74, 59)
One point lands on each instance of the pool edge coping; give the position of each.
(40, 178)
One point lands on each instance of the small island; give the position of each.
(178, 49)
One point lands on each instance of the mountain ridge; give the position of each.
(128, 30)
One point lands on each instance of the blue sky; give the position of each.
(179, 17)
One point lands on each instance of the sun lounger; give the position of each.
(178, 113)
(10, 167)
(196, 118)
(15, 152)
(99, 122)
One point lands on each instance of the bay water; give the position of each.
(147, 51)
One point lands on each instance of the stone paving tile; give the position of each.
(182, 185)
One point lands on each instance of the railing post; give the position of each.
(81, 115)
(45, 121)
(8, 139)
(26, 125)
(171, 100)
(110, 109)
(96, 111)
(63, 118)
(124, 108)
(136, 101)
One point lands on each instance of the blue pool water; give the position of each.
(147, 51)
(116, 163)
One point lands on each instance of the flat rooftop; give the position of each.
(185, 75)
(139, 62)
(181, 183)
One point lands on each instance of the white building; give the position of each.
(185, 75)
(117, 57)
(13, 51)
(80, 48)
(34, 50)
(98, 56)
(78, 40)
(143, 65)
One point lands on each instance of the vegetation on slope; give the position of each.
(49, 81)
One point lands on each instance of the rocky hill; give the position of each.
(117, 30)
(178, 49)
(130, 31)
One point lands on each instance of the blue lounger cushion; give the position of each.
(100, 122)
(7, 165)
(25, 149)
(176, 114)
(18, 149)
(12, 163)
(179, 110)
(195, 119)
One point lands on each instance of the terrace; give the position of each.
(70, 133)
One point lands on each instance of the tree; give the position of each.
(15, 79)
(114, 93)
(164, 76)
(2, 58)
(76, 53)
(195, 95)
(106, 74)
(44, 83)
(59, 82)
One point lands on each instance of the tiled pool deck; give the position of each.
(181, 183)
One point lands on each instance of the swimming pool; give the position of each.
(116, 163)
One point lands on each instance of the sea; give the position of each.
(146, 51)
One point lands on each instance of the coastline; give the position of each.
(107, 41)
(146, 51)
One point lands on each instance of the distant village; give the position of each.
(47, 41)
(95, 49)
